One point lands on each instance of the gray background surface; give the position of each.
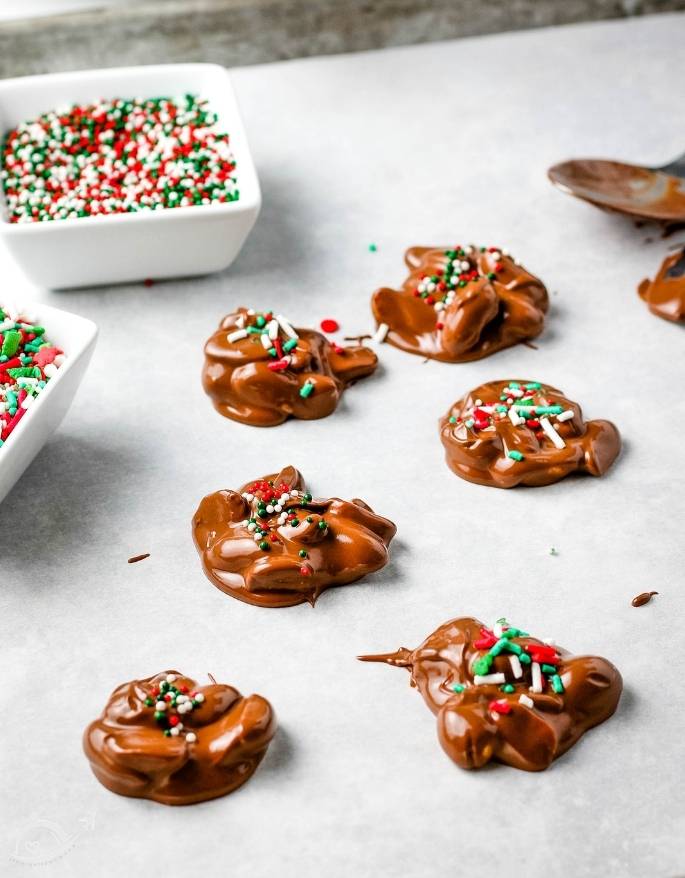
(436, 144)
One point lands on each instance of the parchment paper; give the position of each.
(435, 144)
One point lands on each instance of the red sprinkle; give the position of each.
(501, 706)
(330, 325)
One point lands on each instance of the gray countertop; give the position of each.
(424, 145)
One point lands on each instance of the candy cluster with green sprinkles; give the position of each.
(172, 702)
(276, 335)
(541, 659)
(461, 268)
(525, 405)
(27, 362)
(277, 506)
(117, 156)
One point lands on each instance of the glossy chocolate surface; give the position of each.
(525, 705)
(272, 544)
(461, 304)
(260, 370)
(178, 756)
(665, 295)
(631, 189)
(508, 433)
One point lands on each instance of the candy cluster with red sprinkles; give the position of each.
(527, 405)
(171, 703)
(277, 336)
(277, 506)
(461, 268)
(541, 660)
(27, 362)
(117, 156)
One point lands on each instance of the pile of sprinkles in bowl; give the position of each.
(117, 156)
(27, 362)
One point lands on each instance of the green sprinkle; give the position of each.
(307, 389)
(290, 344)
(507, 688)
(372, 248)
(515, 455)
(524, 658)
(295, 522)
(11, 342)
(453, 420)
(458, 687)
(482, 665)
(557, 685)
(264, 546)
(534, 385)
(322, 525)
(302, 553)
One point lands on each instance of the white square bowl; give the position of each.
(170, 242)
(76, 336)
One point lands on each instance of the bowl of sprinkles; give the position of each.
(131, 174)
(44, 354)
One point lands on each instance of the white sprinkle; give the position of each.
(28, 401)
(200, 697)
(266, 341)
(277, 507)
(285, 326)
(171, 678)
(240, 321)
(50, 370)
(294, 493)
(269, 509)
(381, 333)
(526, 700)
(272, 329)
(161, 705)
(497, 629)
(285, 497)
(565, 416)
(549, 641)
(249, 497)
(514, 418)
(537, 678)
(552, 433)
(191, 737)
(246, 522)
(514, 391)
(257, 537)
(251, 526)
(237, 335)
(516, 668)
(175, 731)
(484, 680)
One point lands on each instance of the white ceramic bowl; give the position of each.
(76, 336)
(172, 242)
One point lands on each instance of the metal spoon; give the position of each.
(648, 193)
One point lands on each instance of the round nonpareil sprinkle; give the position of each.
(27, 363)
(117, 156)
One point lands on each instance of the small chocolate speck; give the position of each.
(358, 338)
(644, 598)
(529, 344)
(137, 558)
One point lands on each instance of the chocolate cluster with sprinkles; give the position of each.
(175, 741)
(500, 694)
(460, 303)
(117, 156)
(28, 361)
(507, 433)
(274, 545)
(261, 370)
